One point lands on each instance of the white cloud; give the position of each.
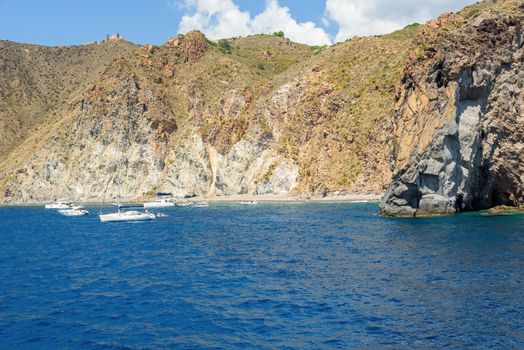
(216, 18)
(369, 17)
(276, 18)
(223, 19)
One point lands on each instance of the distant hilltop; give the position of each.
(109, 37)
(113, 37)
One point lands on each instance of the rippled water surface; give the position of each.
(271, 276)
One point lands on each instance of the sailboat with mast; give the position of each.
(58, 203)
(122, 214)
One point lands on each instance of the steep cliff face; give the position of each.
(459, 123)
(36, 82)
(250, 115)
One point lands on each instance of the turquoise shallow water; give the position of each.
(271, 276)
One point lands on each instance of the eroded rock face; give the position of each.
(459, 124)
(191, 119)
(121, 140)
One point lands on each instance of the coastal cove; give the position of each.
(429, 114)
(280, 175)
(274, 275)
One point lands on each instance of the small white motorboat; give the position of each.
(183, 204)
(131, 215)
(159, 203)
(74, 211)
(201, 204)
(248, 202)
(161, 215)
(59, 205)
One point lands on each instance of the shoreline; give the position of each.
(265, 198)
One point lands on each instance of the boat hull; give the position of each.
(73, 212)
(149, 205)
(126, 216)
(201, 205)
(58, 206)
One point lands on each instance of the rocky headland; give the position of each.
(458, 134)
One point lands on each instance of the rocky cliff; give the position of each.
(36, 81)
(430, 114)
(194, 117)
(458, 134)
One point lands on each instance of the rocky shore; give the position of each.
(267, 198)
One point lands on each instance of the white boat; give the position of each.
(201, 204)
(248, 202)
(122, 215)
(75, 211)
(159, 203)
(131, 215)
(183, 204)
(59, 205)
(161, 215)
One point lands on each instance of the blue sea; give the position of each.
(270, 276)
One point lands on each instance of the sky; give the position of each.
(313, 22)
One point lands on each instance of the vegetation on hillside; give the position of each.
(325, 109)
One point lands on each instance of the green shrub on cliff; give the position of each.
(224, 46)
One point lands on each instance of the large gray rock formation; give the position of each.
(459, 125)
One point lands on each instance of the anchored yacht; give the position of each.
(162, 201)
(59, 205)
(130, 215)
(159, 203)
(74, 211)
